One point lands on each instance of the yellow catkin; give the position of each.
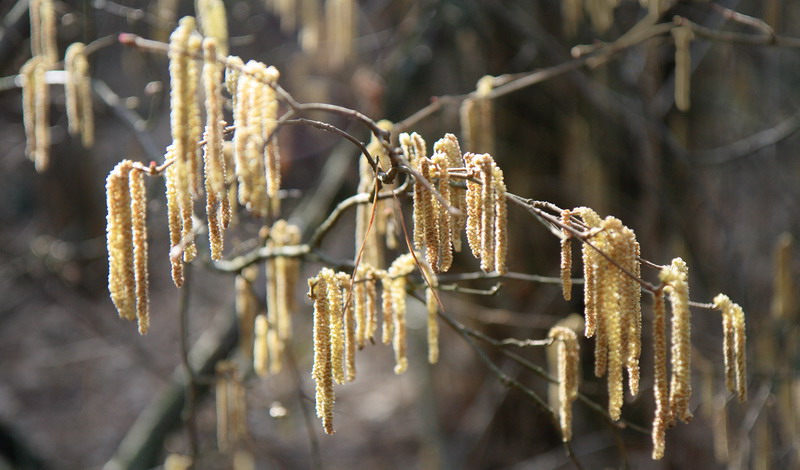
(213, 22)
(488, 198)
(566, 342)
(433, 326)
(372, 304)
(139, 238)
(430, 214)
(676, 278)
(360, 304)
(246, 305)
(193, 136)
(260, 347)
(337, 328)
(401, 267)
(43, 30)
(604, 292)
(285, 279)
(612, 319)
(448, 145)
(28, 75)
(442, 223)
(500, 221)
(172, 181)
(119, 237)
(387, 332)
(322, 371)
(477, 125)
(350, 342)
(41, 99)
(683, 66)
(229, 208)
(182, 146)
(214, 161)
(340, 30)
(634, 314)
(78, 94)
(661, 418)
(734, 348)
(34, 7)
(272, 154)
(566, 257)
(590, 258)
(474, 208)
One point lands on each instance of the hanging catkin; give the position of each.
(676, 279)
(35, 111)
(477, 120)
(448, 145)
(119, 237)
(566, 257)
(683, 66)
(139, 239)
(214, 162)
(734, 349)
(661, 418)
(78, 94)
(322, 371)
(213, 22)
(566, 343)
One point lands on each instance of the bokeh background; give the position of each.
(718, 185)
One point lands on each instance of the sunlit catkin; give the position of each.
(477, 121)
(734, 346)
(43, 30)
(443, 224)
(401, 267)
(448, 145)
(387, 329)
(661, 418)
(566, 257)
(500, 221)
(322, 371)
(214, 162)
(35, 107)
(349, 338)
(430, 215)
(590, 259)
(213, 22)
(337, 329)
(683, 66)
(139, 238)
(566, 343)
(260, 348)
(119, 237)
(360, 304)
(676, 279)
(487, 213)
(78, 94)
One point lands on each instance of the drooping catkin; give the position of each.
(590, 259)
(429, 216)
(214, 161)
(360, 304)
(676, 279)
(400, 268)
(183, 146)
(734, 348)
(246, 305)
(372, 303)
(683, 66)
(43, 30)
(78, 94)
(337, 327)
(487, 213)
(213, 22)
(172, 182)
(322, 371)
(432, 307)
(566, 257)
(443, 223)
(139, 239)
(474, 209)
(119, 238)
(340, 30)
(413, 147)
(500, 221)
(35, 107)
(350, 341)
(260, 347)
(566, 342)
(661, 418)
(477, 120)
(448, 145)
(634, 314)
(387, 328)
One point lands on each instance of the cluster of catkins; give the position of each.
(346, 317)
(35, 89)
(612, 296)
(443, 209)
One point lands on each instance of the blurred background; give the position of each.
(718, 185)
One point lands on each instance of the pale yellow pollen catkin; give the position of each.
(566, 342)
(172, 180)
(28, 76)
(43, 30)
(477, 120)
(413, 147)
(41, 98)
(272, 155)
(474, 207)
(500, 221)
(246, 306)
(676, 279)
(734, 348)
(360, 304)
(448, 145)
(350, 341)
(566, 257)
(634, 316)
(661, 418)
(322, 371)
(119, 238)
(260, 347)
(139, 238)
(683, 66)
(372, 303)
(488, 198)
(401, 267)
(422, 207)
(387, 332)
(590, 259)
(443, 223)
(432, 307)
(77, 92)
(430, 215)
(214, 161)
(213, 22)
(337, 329)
